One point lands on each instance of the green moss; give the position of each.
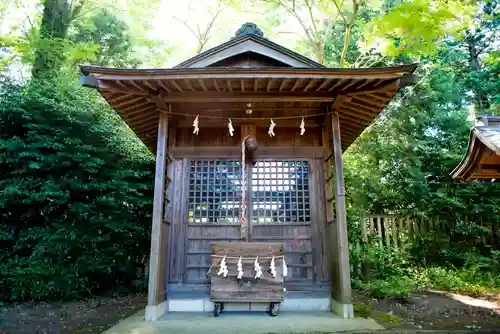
(362, 310)
(387, 320)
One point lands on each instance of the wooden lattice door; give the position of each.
(279, 210)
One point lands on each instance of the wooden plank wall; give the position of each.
(230, 289)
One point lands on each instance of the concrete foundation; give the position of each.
(288, 304)
(242, 323)
(345, 311)
(154, 312)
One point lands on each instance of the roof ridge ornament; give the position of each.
(249, 28)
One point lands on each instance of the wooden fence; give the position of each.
(393, 229)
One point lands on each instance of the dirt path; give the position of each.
(93, 316)
(432, 311)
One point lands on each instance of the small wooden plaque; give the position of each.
(248, 289)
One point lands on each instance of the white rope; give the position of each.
(249, 258)
(243, 118)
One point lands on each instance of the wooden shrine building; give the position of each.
(482, 160)
(289, 189)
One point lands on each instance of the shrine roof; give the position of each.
(482, 159)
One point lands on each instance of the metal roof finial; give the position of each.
(249, 28)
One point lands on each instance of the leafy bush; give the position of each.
(398, 287)
(75, 195)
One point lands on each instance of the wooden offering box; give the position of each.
(248, 289)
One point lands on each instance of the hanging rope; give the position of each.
(243, 118)
(244, 225)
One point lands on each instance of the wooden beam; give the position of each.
(269, 83)
(121, 84)
(296, 84)
(368, 102)
(242, 85)
(229, 86)
(156, 283)
(282, 85)
(138, 119)
(133, 108)
(353, 119)
(309, 85)
(145, 127)
(339, 101)
(203, 97)
(112, 86)
(139, 123)
(323, 84)
(356, 105)
(356, 113)
(135, 83)
(365, 82)
(341, 285)
(255, 84)
(250, 73)
(338, 83)
(176, 85)
(264, 152)
(216, 85)
(128, 101)
(163, 85)
(389, 86)
(149, 85)
(188, 84)
(117, 97)
(137, 111)
(202, 85)
(352, 83)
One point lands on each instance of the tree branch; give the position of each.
(339, 10)
(309, 8)
(187, 26)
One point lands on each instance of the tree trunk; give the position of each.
(481, 99)
(56, 19)
(347, 39)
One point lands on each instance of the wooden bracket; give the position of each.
(339, 101)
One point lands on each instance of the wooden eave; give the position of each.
(482, 160)
(139, 95)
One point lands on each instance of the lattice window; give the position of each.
(280, 192)
(214, 191)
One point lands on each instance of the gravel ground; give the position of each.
(433, 310)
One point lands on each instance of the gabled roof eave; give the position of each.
(241, 39)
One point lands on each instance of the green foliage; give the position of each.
(415, 27)
(397, 287)
(111, 36)
(75, 195)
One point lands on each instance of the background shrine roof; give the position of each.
(482, 160)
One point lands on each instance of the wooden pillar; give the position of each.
(157, 295)
(341, 280)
